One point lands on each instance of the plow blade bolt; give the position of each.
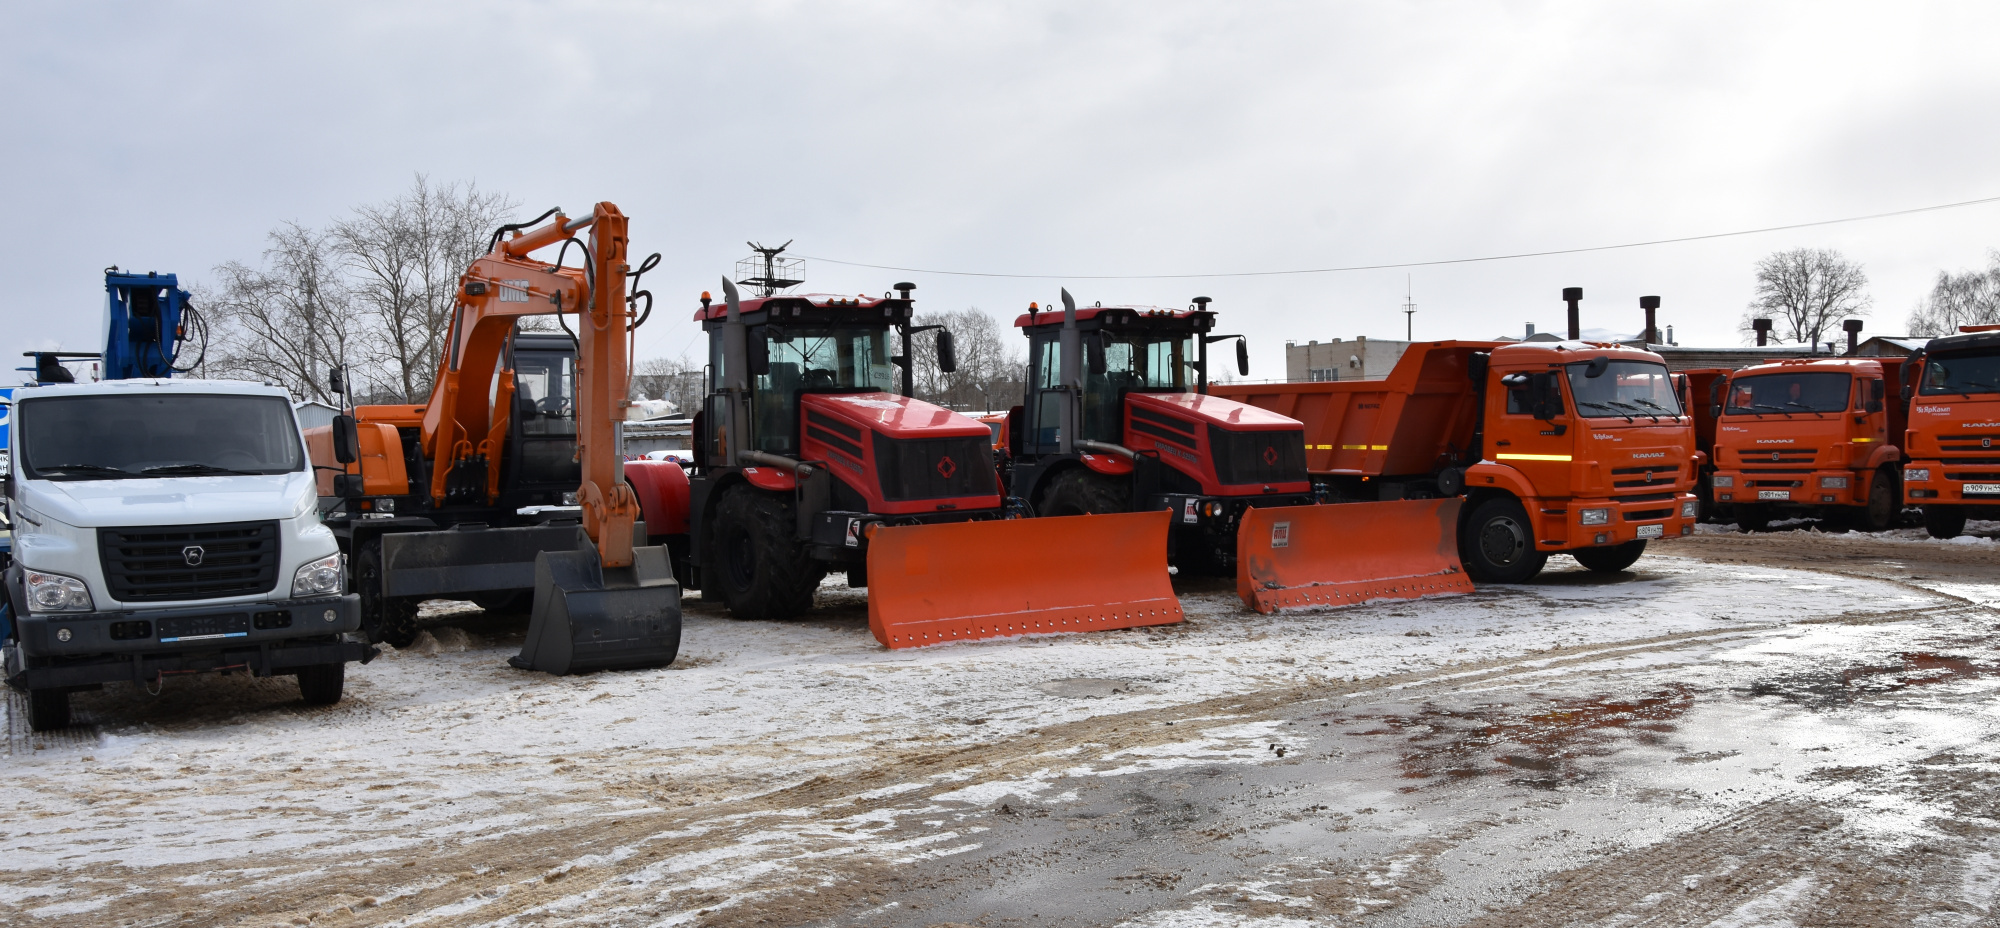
(929, 584)
(590, 618)
(1346, 554)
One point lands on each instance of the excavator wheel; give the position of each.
(1080, 492)
(390, 620)
(1497, 544)
(1944, 521)
(1610, 559)
(762, 569)
(1885, 503)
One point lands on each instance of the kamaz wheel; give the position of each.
(1885, 502)
(1610, 559)
(1080, 492)
(321, 684)
(390, 620)
(48, 710)
(762, 569)
(1497, 543)
(1944, 521)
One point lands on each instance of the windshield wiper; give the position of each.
(172, 470)
(1804, 406)
(101, 471)
(1780, 410)
(1677, 416)
(1614, 409)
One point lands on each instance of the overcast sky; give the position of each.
(1052, 138)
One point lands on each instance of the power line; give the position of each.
(1409, 264)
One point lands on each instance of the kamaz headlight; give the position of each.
(1688, 508)
(319, 578)
(1594, 516)
(1833, 483)
(1722, 480)
(56, 593)
(1917, 473)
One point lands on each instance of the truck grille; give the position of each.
(160, 563)
(1648, 476)
(1276, 456)
(935, 468)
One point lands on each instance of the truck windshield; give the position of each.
(1625, 388)
(1961, 374)
(1800, 391)
(161, 434)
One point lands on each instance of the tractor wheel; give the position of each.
(321, 684)
(505, 602)
(1885, 502)
(1497, 543)
(48, 710)
(1610, 559)
(762, 569)
(1752, 519)
(1078, 492)
(1944, 521)
(390, 620)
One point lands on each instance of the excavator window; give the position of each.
(545, 397)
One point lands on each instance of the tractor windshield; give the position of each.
(1963, 374)
(161, 434)
(815, 358)
(1798, 391)
(1623, 389)
(1143, 362)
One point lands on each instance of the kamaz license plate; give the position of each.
(204, 627)
(1980, 488)
(1774, 494)
(1652, 531)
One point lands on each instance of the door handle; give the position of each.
(1503, 442)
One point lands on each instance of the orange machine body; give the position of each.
(1807, 434)
(1952, 440)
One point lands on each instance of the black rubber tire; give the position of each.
(762, 569)
(505, 602)
(1079, 491)
(48, 710)
(1497, 543)
(321, 684)
(390, 620)
(1944, 521)
(1885, 503)
(1610, 559)
(1752, 519)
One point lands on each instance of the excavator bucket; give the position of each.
(589, 617)
(959, 581)
(1345, 554)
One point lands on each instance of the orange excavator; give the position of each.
(510, 474)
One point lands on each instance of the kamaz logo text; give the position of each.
(1656, 454)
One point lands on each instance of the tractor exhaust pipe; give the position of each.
(1070, 359)
(1573, 296)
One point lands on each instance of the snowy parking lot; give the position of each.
(1235, 769)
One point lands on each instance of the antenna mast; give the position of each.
(1409, 312)
(769, 273)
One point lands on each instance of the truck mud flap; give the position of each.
(959, 581)
(588, 617)
(468, 561)
(1345, 554)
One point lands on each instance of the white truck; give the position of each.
(164, 527)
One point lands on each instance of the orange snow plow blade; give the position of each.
(1345, 554)
(929, 584)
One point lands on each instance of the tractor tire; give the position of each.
(505, 602)
(1752, 519)
(321, 684)
(1497, 543)
(1885, 503)
(763, 571)
(1081, 492)
(48, 710)
(390, 620)
(1610, 559)
(1944, 521)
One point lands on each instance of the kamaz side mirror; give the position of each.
(1714, 410)
(333, 381)
(1877, 392)
(1243, 357)
(1544, 396)
(1093, 353)
(1598, 365)
(759, 362)
(346, 440)
(947, 352)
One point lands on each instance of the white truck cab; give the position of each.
(167, 526)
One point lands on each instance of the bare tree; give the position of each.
(990, 364)
(404, 258)
(673, 379)
(1807, 292)
(289, 321)
(1965, 298)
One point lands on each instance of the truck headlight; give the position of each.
(320, 577)
(1722, 480)
(1688, 508)
(1594, 516)
(1833, 483)
(1917, 473)
(56, 593)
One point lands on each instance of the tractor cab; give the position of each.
(1127, 349)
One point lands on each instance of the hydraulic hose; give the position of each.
(513, 226)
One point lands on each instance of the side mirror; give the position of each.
(947, 352)
(1877, 392)
(347, 486)
(1715, 410)
(1093, 353)
(1908, 391)
(1476, 366)
(1514, 380)
(334, 381)
(1243, 357)
(1598, 365)
(759, 362)
(346, 440)
(1544, 396)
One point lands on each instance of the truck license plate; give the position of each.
(1980, 488)
(1774, 494)
(204, 627)
(1652, 531)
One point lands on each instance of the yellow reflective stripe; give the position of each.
(1868, 439)
(1353, 447)
(1532, 457)
(1378, 447)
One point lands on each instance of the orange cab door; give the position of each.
(1531, 428)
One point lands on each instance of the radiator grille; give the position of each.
(1274, 456)
(164, 563)
(935, 468)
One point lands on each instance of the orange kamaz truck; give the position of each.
(1815, 437)
(1557, 447)
(1953, 464)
